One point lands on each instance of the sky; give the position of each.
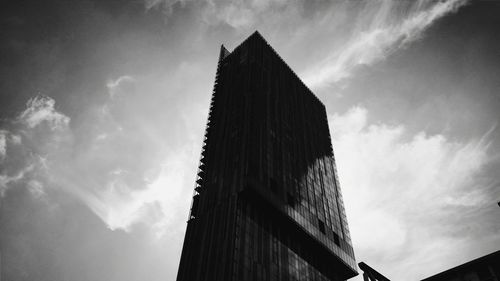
(104, 103)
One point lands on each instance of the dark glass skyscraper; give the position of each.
(267, 202)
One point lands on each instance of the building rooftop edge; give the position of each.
(458, 267)
(257, 34)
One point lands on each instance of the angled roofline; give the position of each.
(464, 265)
(257, 34)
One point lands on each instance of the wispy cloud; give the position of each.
(3, 143)
(41, 109)
(382, 27)
(127, 177)
(7, 180)
(36, 131)
(114, 86)
(121, 204)
(409, 189)
(166, 5)
(241, 15)
(364, 32)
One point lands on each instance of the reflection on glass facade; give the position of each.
(267, 202)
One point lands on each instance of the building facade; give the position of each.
(485, 268)
(267, 203)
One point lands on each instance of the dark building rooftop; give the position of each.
(481, 269)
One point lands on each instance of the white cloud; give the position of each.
(114, 86)
(40, 109)
(43, 126)
(236, 15)
(166, 5)
(239, 14)
(7, 180)
(399, 189)
(36, 188)
(383, 27)
(15, 139)
(3, 143)
(364, 32)
(161, 201)
(120, 168)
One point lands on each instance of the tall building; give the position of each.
(267, 202)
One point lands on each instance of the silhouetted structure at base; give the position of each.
(486, 268)
(267, 202)
(370, 274)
